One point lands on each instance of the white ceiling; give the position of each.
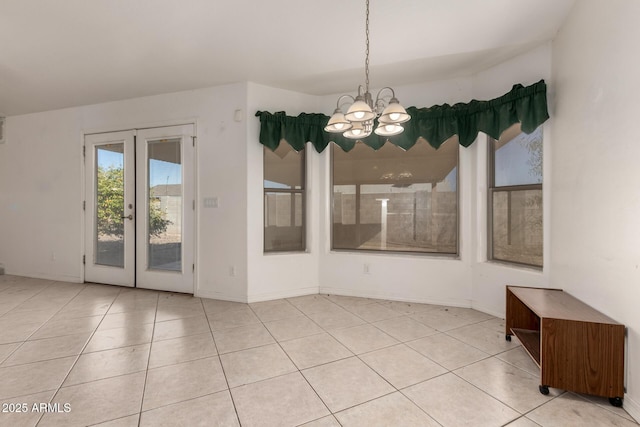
(63, 53)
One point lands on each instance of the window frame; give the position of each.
(291, 191)
(492, 189)
(449, 255)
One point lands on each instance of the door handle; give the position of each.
(128, 217)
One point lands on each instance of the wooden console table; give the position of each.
(576, 347)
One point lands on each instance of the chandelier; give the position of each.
(358, 121)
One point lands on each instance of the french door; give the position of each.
(140, 218)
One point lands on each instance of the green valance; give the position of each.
(526, 105)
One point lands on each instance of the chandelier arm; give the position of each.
(393, 93)
(344, 96)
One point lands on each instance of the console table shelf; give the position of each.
(576, 347)
(530, 341)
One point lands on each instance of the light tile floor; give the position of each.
(125, 357)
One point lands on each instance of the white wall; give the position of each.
(594, 199)
(469, 280)
(41, 175)
(40, 188)
(490, 278)
(418, 278)
(279, 275)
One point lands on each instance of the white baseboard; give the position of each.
(499, 314)
(463, 303)
(268, 296)
(632, 407)
(55, 277)
(219, 295)
(313, 290)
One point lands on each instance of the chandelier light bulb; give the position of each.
(394, 113)
(337, 123)
(389, 129)
(359, 111)
(359, 130)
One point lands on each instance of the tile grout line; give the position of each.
(353, 354)
(226, 380)
(291, 360)
(401, 342)
(211, 332)
(37, 293)
(21, 343)
(146, 373)
(500, 401)
(418, 406)
(489, 356)
(80, 354)
(395, 389)
(521, 417)
(601, 407)
(439, 332)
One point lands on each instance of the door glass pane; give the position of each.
(109, 205)
(164, 221)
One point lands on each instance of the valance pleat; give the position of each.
(436, 124)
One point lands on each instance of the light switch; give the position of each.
(210, 202)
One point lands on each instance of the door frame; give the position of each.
(153, 278)
(83, 189)
(117, 275)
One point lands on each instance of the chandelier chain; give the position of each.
(359, 120)
(366, 61)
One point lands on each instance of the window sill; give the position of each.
(432, 255)
(514, 265)
(306, 252)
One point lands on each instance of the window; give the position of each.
(515, 197)
(395, 200)
(284, 199)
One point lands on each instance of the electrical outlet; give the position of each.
(366, 269)
(232, 271)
